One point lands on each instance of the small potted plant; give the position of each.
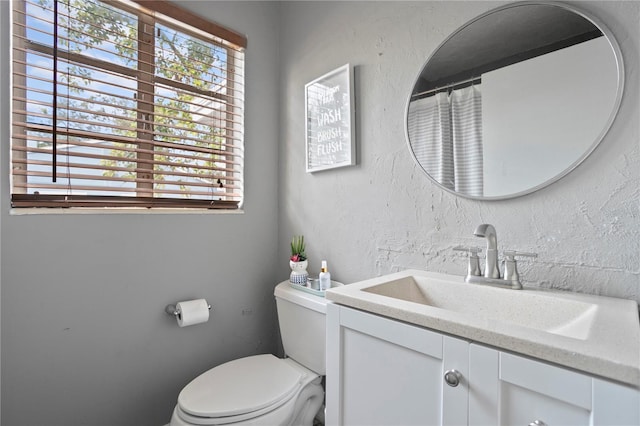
(298, 261)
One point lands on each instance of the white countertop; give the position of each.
(609, 347)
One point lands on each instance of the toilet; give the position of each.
(264, 389)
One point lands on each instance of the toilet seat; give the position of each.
(240, 390)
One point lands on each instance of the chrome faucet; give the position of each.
(491, 269)
(491, 274)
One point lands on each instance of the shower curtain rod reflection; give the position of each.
(449, 86)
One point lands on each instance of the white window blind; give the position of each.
(119, 103)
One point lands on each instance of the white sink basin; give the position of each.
(595, 334)
(540, 311)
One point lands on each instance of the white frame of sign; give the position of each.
(330, 121)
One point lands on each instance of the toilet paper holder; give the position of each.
(172, 310)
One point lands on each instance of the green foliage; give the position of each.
(297, 249)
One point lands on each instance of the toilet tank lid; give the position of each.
(240, 386)
(311, 301)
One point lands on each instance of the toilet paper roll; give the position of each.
(192, 312)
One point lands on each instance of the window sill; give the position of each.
(119, 210)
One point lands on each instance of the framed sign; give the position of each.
(330, 120)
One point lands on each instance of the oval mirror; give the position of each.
(514, 100)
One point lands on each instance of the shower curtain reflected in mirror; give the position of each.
(445, 131)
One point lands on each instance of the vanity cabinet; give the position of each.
(382, 371)
(509, 389)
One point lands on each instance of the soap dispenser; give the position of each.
(324, 277)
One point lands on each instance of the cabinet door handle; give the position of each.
(452, 377)
(537, 423)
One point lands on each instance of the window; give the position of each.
(119, 103)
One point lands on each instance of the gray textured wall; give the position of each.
(385, 215)
(92, 346)
(85, 340)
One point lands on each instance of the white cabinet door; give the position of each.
(384, 372)
(512, 390)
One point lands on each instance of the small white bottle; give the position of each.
(324, 277)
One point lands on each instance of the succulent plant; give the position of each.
(297, 249)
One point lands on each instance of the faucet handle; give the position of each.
(470, 250)
(474, 261)
(511, 268)
(511, 254)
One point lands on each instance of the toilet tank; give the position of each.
(302, 319)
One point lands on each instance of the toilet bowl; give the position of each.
(264, 389)
(260, 389)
